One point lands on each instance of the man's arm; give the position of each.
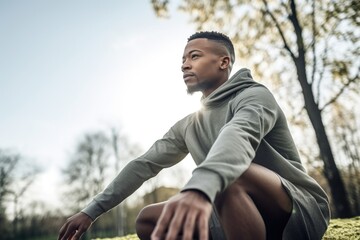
(164, 153)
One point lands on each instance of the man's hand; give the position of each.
(184, 213)
(75, 226)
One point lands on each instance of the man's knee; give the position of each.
(146, 220)
(241, 185)
(232, 193)
(251, 183)
(143, 224)
(140, 218)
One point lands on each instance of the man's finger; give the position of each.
(203, 228)
(176, 224)
(68, 233)
(78, 234)
(189, 226)
(162, 224)
(62, 231)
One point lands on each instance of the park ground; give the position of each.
(339, 229)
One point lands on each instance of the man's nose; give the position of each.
(185, 66)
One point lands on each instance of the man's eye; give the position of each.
(194, 56)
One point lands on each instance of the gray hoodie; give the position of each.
(239, 123)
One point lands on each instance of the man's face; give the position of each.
(202, 61)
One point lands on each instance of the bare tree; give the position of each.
(8, 162)
(98, 157)
(19, 188)
(310, 48)
(347, 142)
(123, 151)
(16, 176)
(86, 172)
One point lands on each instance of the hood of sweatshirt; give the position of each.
(241, 80)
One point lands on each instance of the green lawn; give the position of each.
(343, 229)
(339, 229)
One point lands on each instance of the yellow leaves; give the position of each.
(160, 8)
(340, 69)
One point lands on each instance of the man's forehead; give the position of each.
(201, 44)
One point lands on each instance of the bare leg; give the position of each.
(240, 218)
(255, 206)
(146, 220)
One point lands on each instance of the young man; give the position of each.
(249, 182)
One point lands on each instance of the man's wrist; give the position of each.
(198, 192)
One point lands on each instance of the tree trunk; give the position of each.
(331, 172)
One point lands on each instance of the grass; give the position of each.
(339, 229)
(128, 237)
(343, 229)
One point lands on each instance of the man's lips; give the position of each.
(186, 76)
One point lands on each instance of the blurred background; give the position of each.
(86, 86)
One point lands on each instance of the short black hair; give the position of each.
(218, 37)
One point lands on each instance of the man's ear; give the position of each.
(225, 62)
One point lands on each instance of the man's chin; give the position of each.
(193, 88)
(191, 91)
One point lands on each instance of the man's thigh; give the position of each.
(267, 193)
(265, 188)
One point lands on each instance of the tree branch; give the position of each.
(313, 45)
(298, 30)
(286, 45)
(321, 74)
(340, 92)
(324, 57)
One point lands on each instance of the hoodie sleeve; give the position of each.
(163, 153)
(254, 114)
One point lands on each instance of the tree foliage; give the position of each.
(304, 49)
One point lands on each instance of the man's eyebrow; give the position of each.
(195, 50)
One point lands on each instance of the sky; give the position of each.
(72, 67)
